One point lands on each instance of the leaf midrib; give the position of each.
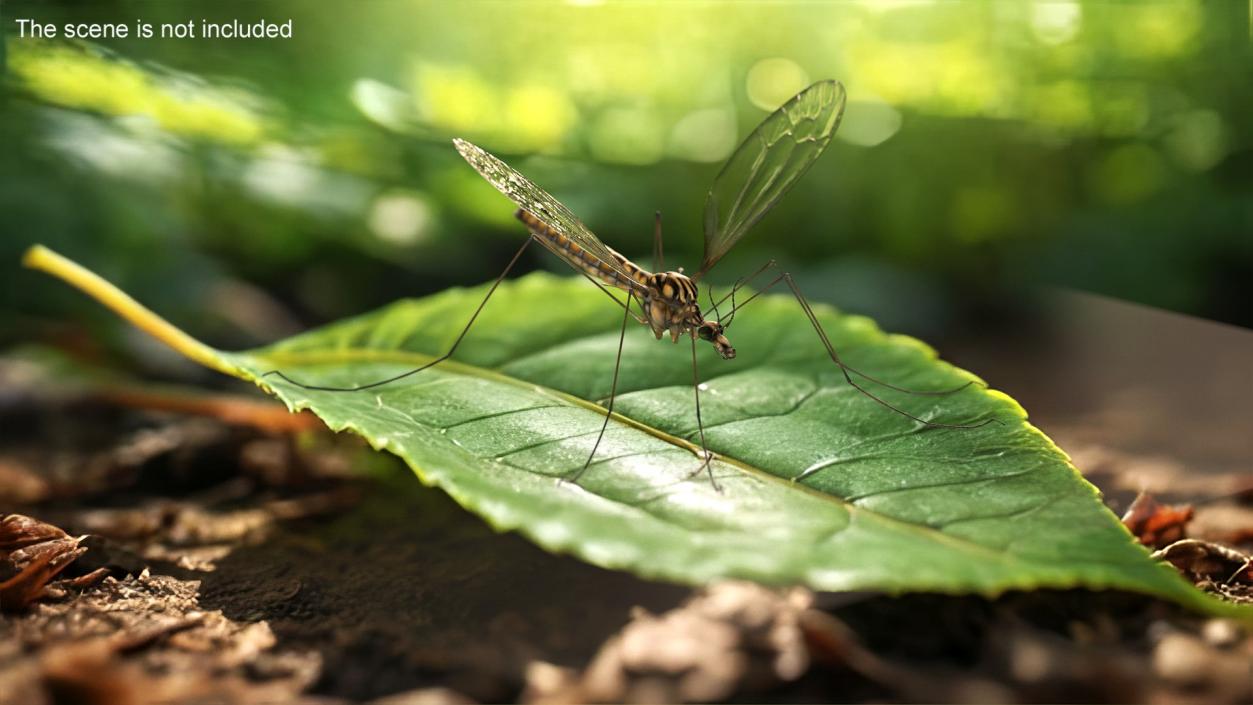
(280, 358)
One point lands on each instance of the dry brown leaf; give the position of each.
(32, 552)
(1154, 524)
(1206, 560)
(17, 531)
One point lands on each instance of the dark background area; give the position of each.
(250, 188)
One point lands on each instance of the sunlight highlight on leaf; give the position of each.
(825, 488)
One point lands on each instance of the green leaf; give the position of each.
(882, 505)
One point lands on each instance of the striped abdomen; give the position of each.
(585, 261)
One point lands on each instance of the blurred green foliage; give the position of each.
(249, 188)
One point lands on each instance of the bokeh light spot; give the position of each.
(869, 122)
(456, 99)
(1159, 30)
(536, 118)
(400, 217)
(1056, 22)
(772, 81)
(704, 135)
(381, 103)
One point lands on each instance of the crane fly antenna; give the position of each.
(714, 304)
(731, 316)
(731, 294)
(742, 281)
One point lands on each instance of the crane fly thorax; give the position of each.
(670, 305)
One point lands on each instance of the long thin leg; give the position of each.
(659, 259)
(432, 363)
(613, 393)
(700, 424)
(822, 334)
(847, 368)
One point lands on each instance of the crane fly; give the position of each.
(758, 174)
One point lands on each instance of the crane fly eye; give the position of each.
(705, 332)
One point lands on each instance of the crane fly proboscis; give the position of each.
(760, 171)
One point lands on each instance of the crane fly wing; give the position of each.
(767, 164)
(543, 206)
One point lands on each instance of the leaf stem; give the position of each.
(42, 258)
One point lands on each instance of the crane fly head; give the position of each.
(713, 332)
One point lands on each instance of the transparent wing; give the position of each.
(541, 204)
(767, 164)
